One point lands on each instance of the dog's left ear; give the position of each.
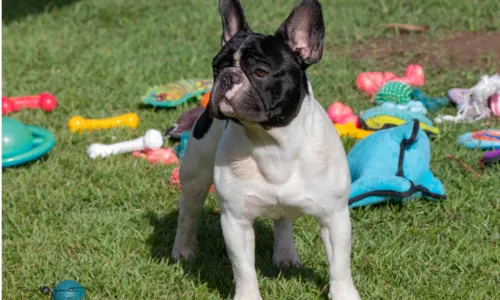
(233, 19)
(304, 32)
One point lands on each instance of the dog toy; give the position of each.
(165, 156)
(411, 106)
(79, 124)
(370, 82)
(397, 169)
(495, 104)
(393, 91)
(474, 104)
(23, 143)
(174, 180)
(205, 99)
(491, 157)
(184, 123)
(45, 101)
(350, 130)
(176, 93)
(482, 139)
(459, 96)
(153, 139)
(180, 149)
(432, 104)
(68, 290)
(342, 114)
(379, 117)
(176, 183)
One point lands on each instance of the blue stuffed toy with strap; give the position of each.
(393, 164)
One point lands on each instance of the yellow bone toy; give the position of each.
(350, 130)
(79, 124)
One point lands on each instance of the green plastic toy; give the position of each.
(23, 143)
(393, 91)
(432, 104)
(176, 93)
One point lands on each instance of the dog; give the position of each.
(270, 150)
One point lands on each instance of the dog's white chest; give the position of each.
(270, 181)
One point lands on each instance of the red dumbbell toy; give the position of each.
(45, 101)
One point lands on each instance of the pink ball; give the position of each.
(7, 106)
(47, 102)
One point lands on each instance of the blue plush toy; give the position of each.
(392, 164)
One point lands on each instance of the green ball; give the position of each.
(68, 290)
(16, 137)
(395, 92)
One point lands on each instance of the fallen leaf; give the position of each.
(406, 27)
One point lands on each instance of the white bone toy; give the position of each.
(153, 139)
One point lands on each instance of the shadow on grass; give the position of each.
(212, 265)
(13, 10)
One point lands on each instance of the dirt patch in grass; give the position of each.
(459, 50)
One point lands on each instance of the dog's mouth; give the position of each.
(226, 108)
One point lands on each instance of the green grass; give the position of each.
(109, 224)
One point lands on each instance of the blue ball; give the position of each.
(68, 290)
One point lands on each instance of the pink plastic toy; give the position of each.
(342, 114)
(370, 82)
(495, 104)
(176, 183)
(45, 101)
(163, 155)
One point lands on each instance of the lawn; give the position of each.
(110, 224)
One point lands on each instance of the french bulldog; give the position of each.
(270, 150)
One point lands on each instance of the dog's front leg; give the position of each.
(336, 235)
(240, 242)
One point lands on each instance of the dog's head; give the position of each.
(261, 78)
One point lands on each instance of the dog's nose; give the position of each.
(228, 80)
(235, 78)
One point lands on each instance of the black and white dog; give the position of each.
(270, 150)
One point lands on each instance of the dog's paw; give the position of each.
(185, 253)
(287, 261)
(250, 295)
(343, 291)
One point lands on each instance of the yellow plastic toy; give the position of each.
(380, 122)
(80, 124)
(350, 130)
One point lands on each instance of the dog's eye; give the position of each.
(261, 73)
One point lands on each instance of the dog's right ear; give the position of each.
(233, 19)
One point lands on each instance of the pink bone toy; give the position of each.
(163, 155)
(370, 82)
(342, 114)
(45, 101)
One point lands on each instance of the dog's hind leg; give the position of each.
(285, 254)
(196, 177)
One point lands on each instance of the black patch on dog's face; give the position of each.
(261, 78)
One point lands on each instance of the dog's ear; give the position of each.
(233, 19)
(304, 31)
